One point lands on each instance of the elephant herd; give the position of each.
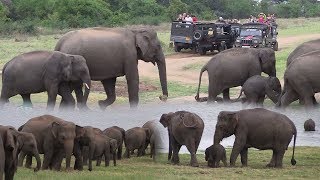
(58, 139)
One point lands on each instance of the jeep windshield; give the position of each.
(250, 32)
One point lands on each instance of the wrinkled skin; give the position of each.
(55, 139)
(258, 128)
(232, 67)
(118, 134)
(2, 158)
(301, 80)
(136, 138)
(154, 138)
(11, 149)
(40, 71)
(257, 87)
(184, 128)
(214, 154)
(117, 52)
(309, 125)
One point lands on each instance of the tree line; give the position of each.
(25, 15)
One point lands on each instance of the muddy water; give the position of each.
(127, 118)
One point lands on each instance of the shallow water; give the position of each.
(128, 118)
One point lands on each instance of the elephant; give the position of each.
(184, 128)
(301, 80)
(214, 154)
(257, 87)
(2, 158)
(303, 48)
(118, 134)
(233, 67)
(11, 150)
(259, 128)
(39, 71)
(309, 125)
(136, 138)
(154, 138)
(116, 51)
(55, 138)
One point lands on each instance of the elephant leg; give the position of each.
(85, 155)
(22, 155)
(237, 148)
(272, 162)
(5, 95)
(289, 96)
(191, 146)
(260, 101)
(119, 153)
(224, 160)
(226, 95)
(28, 162)
(57, 160)
(52, 96)
(244, 157)
(213, 91)
(99, 161)
(279, 158)
(132, 78)
(127, 153)
(67, 100)
(109, 87)
(47, 159)
(175, 148)
(26, 100)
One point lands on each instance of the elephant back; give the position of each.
(190, 120)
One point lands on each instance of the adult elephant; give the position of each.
(111, 53)
(258, 128)
(118, 134)
(184, 128)
(301, 80)
(233, 67)
(55, 138)
(39, 71)
(303, 48)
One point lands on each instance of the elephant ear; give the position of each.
(54, 129)
(10, 140)
(80, 131)
(59, 66)
(189, 121)
(235, 120)
(142, 43)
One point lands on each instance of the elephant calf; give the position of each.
(105, 146)
(118, 134)
(136, 138)
(154, 138)
(257, 87)
(309, 125)
(214, 154)
(184, 128)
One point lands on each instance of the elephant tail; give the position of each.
(198, 99)
(20, 128)
(293, 161)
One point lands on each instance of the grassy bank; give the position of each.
(307, 167)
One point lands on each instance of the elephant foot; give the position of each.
(270, 165)
(195, 164)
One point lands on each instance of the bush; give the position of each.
(18, 27)
(3, 13)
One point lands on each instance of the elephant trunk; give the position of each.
(37, 156)
(68, 147)
(217, 137)
(161, 63)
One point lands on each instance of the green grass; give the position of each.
(298, 26)
(307, 167)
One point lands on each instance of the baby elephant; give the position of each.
(214, 154)
(309, 125)
(257, 87)
(136, 138)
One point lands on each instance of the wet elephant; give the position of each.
(232, 67)
(55, 138)
(155, 139)
(258, 128)
(118, 134)
(116, 51)
(40, 71)
(184, 128)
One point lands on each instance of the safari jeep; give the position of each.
(257, 35)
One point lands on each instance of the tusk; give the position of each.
(86, 85)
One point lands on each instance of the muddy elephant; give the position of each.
(55, 138)
(258, 128)
(232, 67)
(257, 87)
(40, 71)
(136, 138)
(301, 80)
(309, 125)
(154, 138)
(118, 134)
(214, 154)
(117, 52)
(184, 128)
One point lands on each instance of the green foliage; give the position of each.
(3, 13)
(31, 9)
(176, 7)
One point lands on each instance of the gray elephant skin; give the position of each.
(118, 134)
(232, 67)
(40, 71)
(55, 139)
(303, 48)
(154, 138)
(257, 87)
(309, 125)
(301, 80)
(111, 53)
(184, 128)
(136, 138)
(258, 128)
(214, 154)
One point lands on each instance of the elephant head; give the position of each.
(267, 60)
(149, 50)
(113, 149)
(64, 134)
(226, 125)
(273, 88)
(165, 119)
